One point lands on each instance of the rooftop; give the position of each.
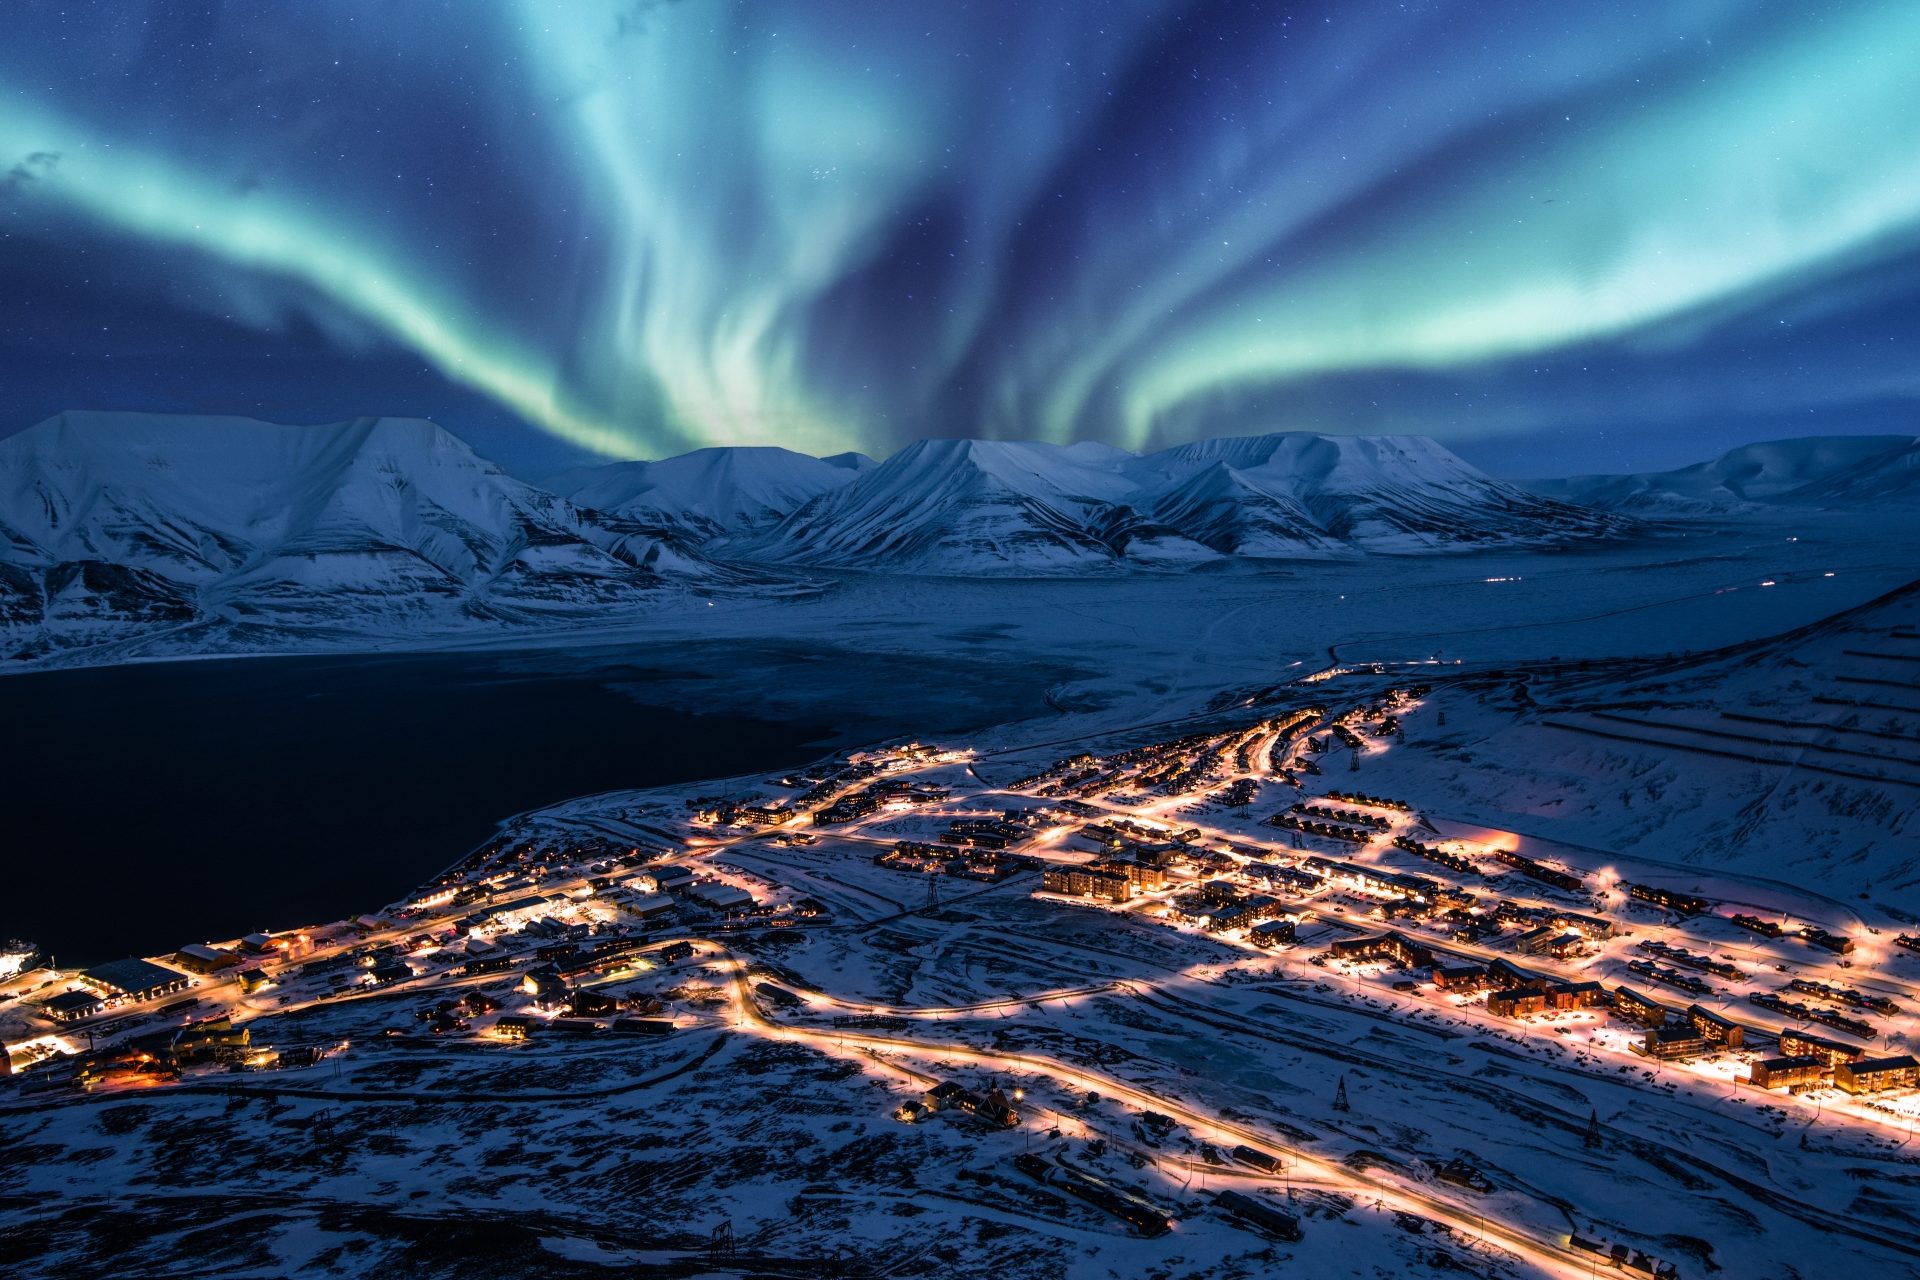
(133, 976)
(73, 1002)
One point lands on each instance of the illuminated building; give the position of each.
(1787, 1073)
(1876, 1074)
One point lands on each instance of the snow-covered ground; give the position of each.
(775, 1113)
(1795, 760)
(1146, 648)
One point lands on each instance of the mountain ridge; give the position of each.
(115, 527)
(964, 506)
(1796, 471)
(391, 523)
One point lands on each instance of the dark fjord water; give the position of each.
(149, 806)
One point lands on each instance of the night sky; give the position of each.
(1557, 236)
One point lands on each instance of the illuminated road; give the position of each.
(1549, 1253)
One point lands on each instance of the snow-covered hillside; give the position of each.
(1795, 758)
(963, 506)
(118, 521)
(1814, 471)
(710, 492)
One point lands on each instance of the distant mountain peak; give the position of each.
(998, 506)
(1803, 471)
(711, 492)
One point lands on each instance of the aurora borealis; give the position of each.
(1587, 233)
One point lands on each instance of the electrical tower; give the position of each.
(1592, 1139)
(1340, 1102)
(933, 892)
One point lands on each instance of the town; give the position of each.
(1250, 843)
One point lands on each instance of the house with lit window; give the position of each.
(1716, 1029)
(1791, 1072)
(1798, 1044)
(1873, 1075)
(1672, 1041)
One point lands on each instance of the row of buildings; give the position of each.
(1867, 1075)
(1668, 1034)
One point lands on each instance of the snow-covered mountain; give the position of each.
(710, 492)
(1231, 512)
(976, 506)
(126, 533)
(969, 506)
(1297, 494)
(1812, 471)
(118, 521)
